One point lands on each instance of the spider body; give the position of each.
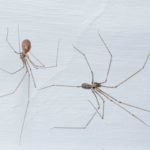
(90, 86)
(26, 46)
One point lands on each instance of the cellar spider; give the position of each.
(27, 65)
(99, 94)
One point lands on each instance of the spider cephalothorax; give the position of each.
(96, 85)
(26, 46)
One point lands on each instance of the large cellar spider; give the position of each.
(96, 88)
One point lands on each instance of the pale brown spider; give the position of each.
(26, 63)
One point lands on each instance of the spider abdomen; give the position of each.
(86, 86)
(90, 86)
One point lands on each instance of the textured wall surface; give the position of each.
(125, 27)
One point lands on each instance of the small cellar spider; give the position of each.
(96, 88)
(27, 64)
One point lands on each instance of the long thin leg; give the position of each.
(12, 73)
(91, 118)
(84, 127)
(16, 87)
(42, 66)
(126, 104)
(10, 43)
(38, 66)
(14, 51)
(19, 39)
(129, 112)
(110, 62)
(30, 70)
(101, 115)
(86, 61)
(70, 86)
(26, 110)
(103, 103)
(129, 76)
(33, 64)
(96, 98)
(96, 110)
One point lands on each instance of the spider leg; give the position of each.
(110, 62)
(96, 109)
(18, 70)
(12, 73)
(32, 63)
(126, 104)
(96, 99)
(103, 112)
(31, 74)
(129, 112)
(26, 110)
(122, 82)
(83, 54)
(19, 39)
(54, 85)
(16, 87)
(10, 43)
(42, 66)
(84, 127)
(91, 118)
